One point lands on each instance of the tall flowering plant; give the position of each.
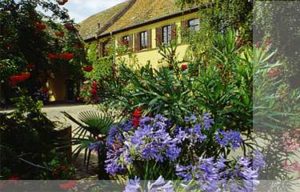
(158, 148)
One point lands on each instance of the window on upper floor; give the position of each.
(194, 24)
(166, 34)
(144, 41)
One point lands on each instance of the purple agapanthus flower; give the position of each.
(159, 185)
(195, 134)
(133, 185)
(242, 177)
(116, 132)
(149, 141)
(153, 142)
(112, 163)
(191, 119)
(258, 160)
(229, 139)
(206, 173)
(94, 146)
(218, 175)
(208, 121)
(184, 172)
(198, 130)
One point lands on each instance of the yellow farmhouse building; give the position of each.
(142, 26)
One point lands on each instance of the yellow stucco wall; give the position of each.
(57, 87)
(142, 57)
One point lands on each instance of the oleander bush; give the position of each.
(220, 85)
(165, 138)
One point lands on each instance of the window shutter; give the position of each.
(137, 39)
(158, 36)
(184, 24)
(173, 31)
(149, 33)
(184, 30)
(130, 44)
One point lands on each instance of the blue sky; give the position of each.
(81, 9)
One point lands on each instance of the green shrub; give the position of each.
(28, 143)
(224, 84)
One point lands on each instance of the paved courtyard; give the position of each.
(54, 113)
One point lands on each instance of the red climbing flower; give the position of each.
(93, 91)
(52, 56)
(137, 114)
(94, 85)
(135, 122)
(60, 34)
(184, 67)
(15, 79)
(25, 76)
(88, 68)
(40, 26)
(66, 56)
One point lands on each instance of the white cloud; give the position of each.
(81, 9)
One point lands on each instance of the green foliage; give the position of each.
(160, 91)
(92, 125)
(276, 110)
(59, 169)
(98, 123)
(28, 36)
(102, 66)
(276, 102)
(27, 140)
(92, 129)
(224, 84)
(221, 15)
(217, 17)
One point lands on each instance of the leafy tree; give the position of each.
(38, 39)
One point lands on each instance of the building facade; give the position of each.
(141, 26)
